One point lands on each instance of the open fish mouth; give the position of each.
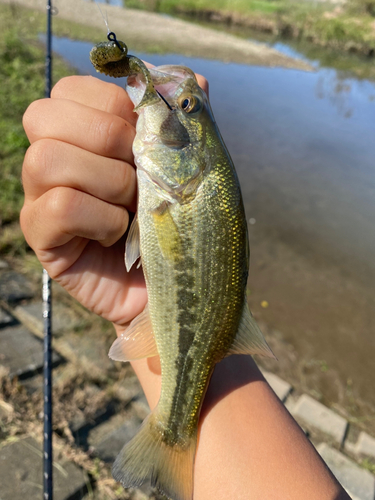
(173, 144)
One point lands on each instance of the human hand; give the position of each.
(80, 184)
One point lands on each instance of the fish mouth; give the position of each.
(170, 143)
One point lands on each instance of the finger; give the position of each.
(91, 129)
(63, 213)
(97, 94)
(203, 83)
(49, 163)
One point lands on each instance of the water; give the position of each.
(303, 145)
(117, 3)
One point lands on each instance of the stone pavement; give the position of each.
(113, 421)
(21, 474)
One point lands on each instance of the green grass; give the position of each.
(369, 465)
(240, 6)
(348, 28)
(22, 68)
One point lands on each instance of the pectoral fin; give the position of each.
(132, 246)
(136, 342)
(249, 338)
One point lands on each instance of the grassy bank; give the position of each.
(22, 80)
(349, 26)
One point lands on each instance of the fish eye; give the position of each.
(190, 104)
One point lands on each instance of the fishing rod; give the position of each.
(47, 314)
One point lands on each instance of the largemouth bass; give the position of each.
(191, 235)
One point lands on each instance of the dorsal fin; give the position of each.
(249, 338)
(137, 341)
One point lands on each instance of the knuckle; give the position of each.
(112, 135)
(37, 159)
(62, 204)
(31, 116)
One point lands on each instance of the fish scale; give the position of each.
(214, 240)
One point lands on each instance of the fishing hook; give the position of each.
(112, 38)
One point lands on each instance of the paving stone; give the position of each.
(6, 411)
(129, 389)
(281, 388)
(320, 417)
(79, 422)
(110, 445)
(5, 318)
(291, 402)
(135, 494)
(20, 352)
(107, 440)
(359, 483)
(365, 445)
(21, 474)
(90, 350)
(14, 287)
(351, 439)
(140, 406)
(3, 264)
(63, 319)
(34, 383)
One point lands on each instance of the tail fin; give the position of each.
(148, 456)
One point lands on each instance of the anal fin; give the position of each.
(249, 338)
(137, 341)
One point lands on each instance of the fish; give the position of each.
(190, 236)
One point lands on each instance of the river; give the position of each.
(303, 145)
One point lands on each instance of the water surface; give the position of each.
(303, 145)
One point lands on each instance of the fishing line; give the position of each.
(112, 38)
(47, 314)
(105, 19)
(163, 98)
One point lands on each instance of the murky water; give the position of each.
(303, 145)
(117, 3)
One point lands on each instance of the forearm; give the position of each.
(249, 446)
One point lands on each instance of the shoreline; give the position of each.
(330, 25)
(151, 32)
